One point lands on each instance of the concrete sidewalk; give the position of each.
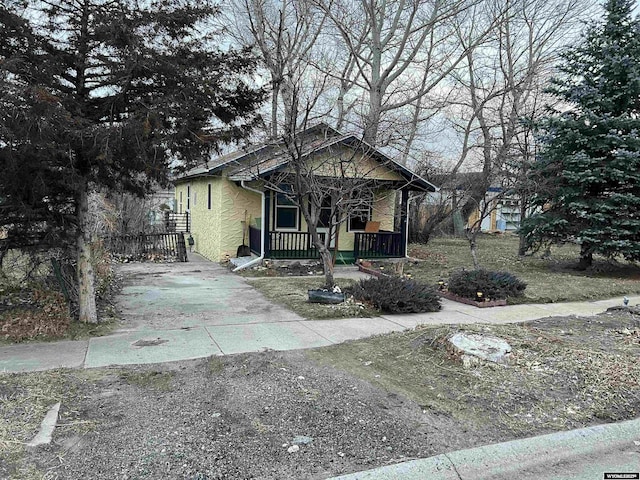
(182, 311)
(224, 334)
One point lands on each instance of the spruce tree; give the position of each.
(588, 172)
(111, 94)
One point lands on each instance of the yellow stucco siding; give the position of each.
(205, 222)
(236, 205)
(384, 207)
(217, 232)
(382, 211)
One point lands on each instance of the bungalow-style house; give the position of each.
(230, 203)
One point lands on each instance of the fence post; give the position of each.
(182, 248)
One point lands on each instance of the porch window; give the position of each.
(360, 214)
(287, 213)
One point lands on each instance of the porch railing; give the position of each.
(293, 245)
(378, 245)
(298, 245)
(177, 222)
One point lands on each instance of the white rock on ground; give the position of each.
(485, 347)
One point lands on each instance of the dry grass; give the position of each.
(548, 280)
(155, 380)
(24, 402)
(292, 293)
(25, 399)
(557, 379)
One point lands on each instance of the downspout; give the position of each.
(262, 232)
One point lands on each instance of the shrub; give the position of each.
(493, 285)
(397, 295)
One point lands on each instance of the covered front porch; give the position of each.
(356, 240)
(299, 245)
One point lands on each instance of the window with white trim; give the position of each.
(286, 211)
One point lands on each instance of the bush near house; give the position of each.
(397, 295)
(493, 285)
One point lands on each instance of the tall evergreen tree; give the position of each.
(588, 173)
(102, 93)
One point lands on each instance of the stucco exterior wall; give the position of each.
(383, 211)
(205, 222)
(217, 232)
(384, 207)
(237, 204)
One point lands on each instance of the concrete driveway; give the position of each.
(181, 311)
(189, 310)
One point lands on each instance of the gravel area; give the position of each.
(263, 415)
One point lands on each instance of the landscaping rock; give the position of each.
(302, 440)
(483, 347)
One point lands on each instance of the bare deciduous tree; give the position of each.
(327, 188)
(401, 51)
(285, 34)
(497, 83)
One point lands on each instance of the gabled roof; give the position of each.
(262, 160)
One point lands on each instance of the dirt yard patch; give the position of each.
(322, 412)
(564, 373)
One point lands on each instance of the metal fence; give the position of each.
(155, 246)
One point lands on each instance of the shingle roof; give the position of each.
(260, 160)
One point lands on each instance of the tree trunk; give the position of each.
(86, 281)
(327, 265)
(522, 244)
(586, 257)
(473, 246)
(372, 120)
(274, 107)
